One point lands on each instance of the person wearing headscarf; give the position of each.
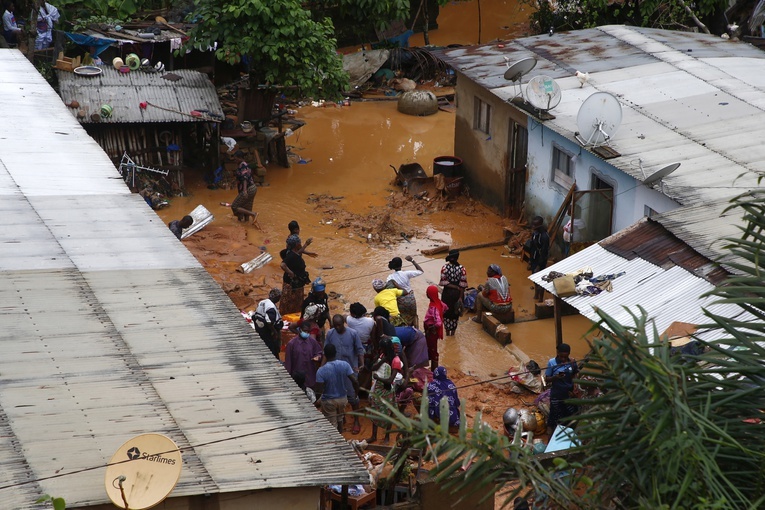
(434, 324)
(495, 296)
(295, 276)
(407, 304)
(268, 322)
(441, 387)
(454, 283)
(245, 184)
(387, 297)
(294, 228)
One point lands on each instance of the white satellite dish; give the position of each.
(660, 174)
(516, 71)
(543, 93)
(598, 119)
(143, 471)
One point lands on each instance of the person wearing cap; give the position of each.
(495, 296)
(318, 296)
(407, 304)
(349, 348)
(560, 374)
(454, 283)
(268, 322)
(295, 276)
(540, 250)
(387, 297)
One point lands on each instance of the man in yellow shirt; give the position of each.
(387, 298)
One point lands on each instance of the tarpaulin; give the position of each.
(98, 44)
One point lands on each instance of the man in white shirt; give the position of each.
(11, 30)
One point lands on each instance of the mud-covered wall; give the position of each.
(484, 156)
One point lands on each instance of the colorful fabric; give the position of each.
(381, 393)
(499, 290)
(245, 199)
(434, 317)
(415, 345)
(244, 177)
(441, 387)
(454, 274)
(292, 298)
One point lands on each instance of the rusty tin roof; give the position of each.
(171, 101)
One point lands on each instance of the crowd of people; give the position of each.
(390, 355)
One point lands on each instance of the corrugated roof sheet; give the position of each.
(110, 328)
(706, 227)
(174, 100)
(653, 243)
(667, 295)
(690, 98)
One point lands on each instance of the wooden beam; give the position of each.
(557, 305)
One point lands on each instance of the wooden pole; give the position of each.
(557, 305)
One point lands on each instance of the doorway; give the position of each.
(515, 177)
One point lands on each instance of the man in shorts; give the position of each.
(330, 381)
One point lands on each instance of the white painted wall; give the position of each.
(544, 197)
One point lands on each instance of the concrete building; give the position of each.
(686, 98)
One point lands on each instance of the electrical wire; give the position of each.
(233, 438)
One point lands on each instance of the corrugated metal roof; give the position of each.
(653, 243)
(706, 227)
(667, 295)
(110, 328)
(124, 93)
(690, 98)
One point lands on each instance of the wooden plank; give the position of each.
(445, 247)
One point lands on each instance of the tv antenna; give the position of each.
(128, 168)
(598, 119)
(543, 93)
(143, 471)
(515, 72)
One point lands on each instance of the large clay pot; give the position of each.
(418, 102)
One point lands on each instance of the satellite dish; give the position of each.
(143, 471)
(598, 119)
(516, 71)
(543, 93)
(660, 174)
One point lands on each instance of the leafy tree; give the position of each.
(578, 14)
(360, 18)
(669, 432)
(280, 41)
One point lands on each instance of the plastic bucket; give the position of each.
(450, 166)
(133, 61)
(117, 63)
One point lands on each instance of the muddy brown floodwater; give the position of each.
(343, 194)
